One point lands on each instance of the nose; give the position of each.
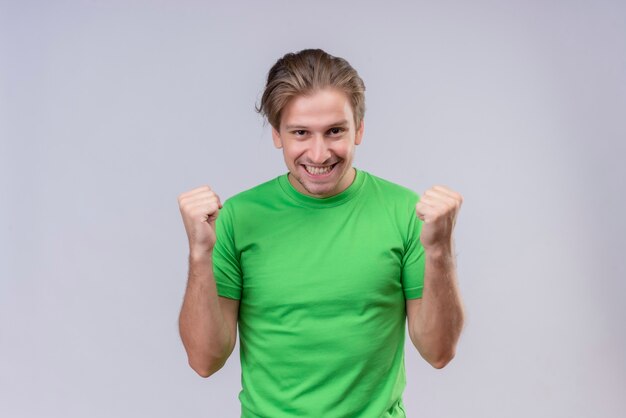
(319, 151)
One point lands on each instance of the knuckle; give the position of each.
(181, 197)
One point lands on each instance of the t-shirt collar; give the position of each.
(325, 202)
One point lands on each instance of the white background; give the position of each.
(110, 109)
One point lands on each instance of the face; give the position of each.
(318, 138)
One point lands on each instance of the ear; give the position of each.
(278, 143)
(359, 133)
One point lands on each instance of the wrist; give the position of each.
(200, 254)
(440, 252)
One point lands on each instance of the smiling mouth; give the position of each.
(322, 171)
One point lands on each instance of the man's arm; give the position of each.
(436, 320)
(207, 323)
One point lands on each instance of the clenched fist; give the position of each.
(200, 208)
(438, 208)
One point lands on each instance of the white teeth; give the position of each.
(317, 171)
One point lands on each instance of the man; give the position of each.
(321, 266)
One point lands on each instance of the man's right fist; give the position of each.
(200, 208)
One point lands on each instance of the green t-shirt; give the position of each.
(322, 284)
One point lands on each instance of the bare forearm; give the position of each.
(202, 326)
(440, 320)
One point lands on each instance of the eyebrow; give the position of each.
(339, 123)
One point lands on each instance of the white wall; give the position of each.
(109, 110)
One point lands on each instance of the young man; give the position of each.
(321, 266)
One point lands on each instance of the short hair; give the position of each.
(305, 72)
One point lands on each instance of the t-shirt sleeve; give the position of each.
(226, 265)
(413, 261)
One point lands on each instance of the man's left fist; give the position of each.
(438, 207)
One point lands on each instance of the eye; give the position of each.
(299, 132)
(336, 131)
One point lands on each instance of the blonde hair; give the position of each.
(305, 72)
